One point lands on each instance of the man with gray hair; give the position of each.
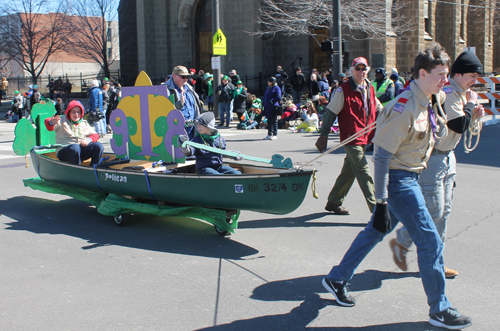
(183, 96)
(355, 105)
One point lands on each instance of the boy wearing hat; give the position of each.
(406, 133)
(207, 163)
(438, 179)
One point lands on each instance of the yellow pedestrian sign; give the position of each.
(219, 43)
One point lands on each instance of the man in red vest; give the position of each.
(355, 105)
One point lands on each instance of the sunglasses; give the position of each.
(359, 68)
(184, 77)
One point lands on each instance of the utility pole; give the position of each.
(216, 80)
(336, 37)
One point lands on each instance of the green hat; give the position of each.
(225, 78)
(16, 92)
(106, 79)
(239, 82)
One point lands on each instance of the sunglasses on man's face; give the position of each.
(184, 77)
(359, 68)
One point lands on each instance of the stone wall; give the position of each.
(161, 34)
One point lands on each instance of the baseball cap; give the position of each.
(180, 71)
(359, 60)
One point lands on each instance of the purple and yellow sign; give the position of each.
(146, 124)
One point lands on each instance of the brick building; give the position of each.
(62, 62)
(161, 34)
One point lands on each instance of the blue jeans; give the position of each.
(406, 205)
(437, 182)
(224, 109)
(252, 125)
(272, 125)
(75, 153)
(100, 126)
(221, 170)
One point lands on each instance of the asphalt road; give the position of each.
(66, 267)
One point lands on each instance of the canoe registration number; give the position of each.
(277, 187)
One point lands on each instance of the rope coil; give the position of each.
(313, 185)
(474, 129)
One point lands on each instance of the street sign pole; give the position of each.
(337, 40)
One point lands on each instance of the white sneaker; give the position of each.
(268, 137)
(274, 137)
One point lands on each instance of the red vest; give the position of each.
(354, 117)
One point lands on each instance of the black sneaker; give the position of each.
(450, 319)
(339, 291)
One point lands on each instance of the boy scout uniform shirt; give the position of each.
(337, 103)
(454, 108)
(404, 130)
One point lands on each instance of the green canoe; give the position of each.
(264, 189)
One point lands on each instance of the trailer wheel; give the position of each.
(220, 232)
(121, 219)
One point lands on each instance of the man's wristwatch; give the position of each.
(383, 200)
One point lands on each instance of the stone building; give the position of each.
(156, 35)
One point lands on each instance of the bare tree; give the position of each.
(97, 31)
(35, 34)
(302, 17)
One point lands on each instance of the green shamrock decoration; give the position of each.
(32, 132)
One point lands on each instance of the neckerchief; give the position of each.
(75, 123)
(362, 90)
(432, 118)
(208, 139)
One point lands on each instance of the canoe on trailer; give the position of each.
(259, 188)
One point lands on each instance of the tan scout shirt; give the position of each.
(454, 108)
(337, 103)
(404, 129)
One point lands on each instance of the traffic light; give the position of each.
(327, 46)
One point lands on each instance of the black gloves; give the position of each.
(381, 218)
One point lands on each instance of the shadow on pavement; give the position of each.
(77, 219)
(305, 221)
(306, 290)
(486, 152)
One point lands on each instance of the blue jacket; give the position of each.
(271, 99)
(205, 158)
(324, 88)
(95, 99)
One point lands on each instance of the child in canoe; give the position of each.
(72, 130)
(207, 163)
